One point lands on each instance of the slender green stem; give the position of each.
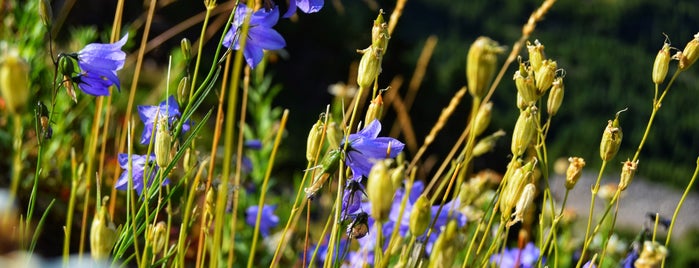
(679, 206)
(17, 159)
(594, 191)
(71, 207)
(657, 103)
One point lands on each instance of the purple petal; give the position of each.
(265, 38)
(310, 6)
(292, 9)
(265, 18)
(253, 55)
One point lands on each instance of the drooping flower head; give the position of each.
(366, 147)
(168, 108)
(139, 169)
(98, 66)
(268, 220)
(260, 34)
(307, 6)
(515, 257)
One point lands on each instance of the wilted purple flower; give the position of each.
(260, 34)
(268, 220)
(352, 197)
(99, 64)
(139, 168)
(168, 108)
(307, 6)
(366, 148)
(516, 258)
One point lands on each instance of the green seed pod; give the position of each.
(690, 53)
(544, 76)
(627, 173)
(183, 92)
(14, 82)
(536, 54)
(482, 118)
(375, 110)
(66, 65)
(163, 142)
(526, 87)
(524, 131)
(189, 160)
(514, 186)
(380, 190)
(158, 237)
(661, 64)
(397, 175)
(480, 65)
(103, 233)
(611, 139)
(186, 47)
(420, 216)
(574, 171)
(555, 97)
(334, 135)
(314, 141)
(45, 12)
(369, 67)
(487, 144)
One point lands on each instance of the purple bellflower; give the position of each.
(516, 258)
(99, 64)
(366, 148)
(268, 220)
(168, 108)
(307, 6)
(138, 172)
(260, 34)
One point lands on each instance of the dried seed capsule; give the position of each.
(524, 132)
(482, 118)
(444, 249)
(369, 67)
(690, 54)
(544, 75)
(487, 144)
(420, 216)
(380, 189)
(480, 65)
(380, 35)
(103, 233)
(661, 63)
(334, 135)
(375, 109)
(555, 96)
(524, 202)
(611, 139)
(514, 186)
(651, 256)
(526, 87)
(536, 54)
(627, 173)
(574, 171)
(314, 141)
(14, 82)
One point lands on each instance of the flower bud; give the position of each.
(480, 65)
(627, 173)
(369, 67)
(611, 139)
(574, 171)
(555, 97)
(536, 54)
(158, 235)
(526, 87)
(314, 141)
(163, 142)
(661, 63)
(487, 144)
(524, 202)
(183, 92)
(374, 110)
(186, 47)
(651, 256)
(690, 53)
(103, 233)
(380, 35)
(420, 216)
(66, 66)
(334, 135)
(544, 75)
(45, 12)
(524, 132)
(14, 82)
(380, 190)
(482, 118)
(514, 186)
(398, 175)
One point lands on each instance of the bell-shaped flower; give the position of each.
(168, 108)
(268, 219)
(98, 64)
(137, 173)
(260, 34)
(366, 147)
(307, 6)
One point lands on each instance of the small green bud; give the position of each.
(627, 173)
(555, 97)
(334, 135)
(544, 75)
(189, 160)
(526, 87)
(611, 139)
(689, 54)
(163, 142)
(183, 92)
(574, 171)
(661, 64)
(487, 144)
(314, 141)
(186, 47)
(45, 12)
(369, 67)
(380, 189)
(524, 132)
(103, 233)
(14, 82)
(536, 54)
(482, 118)
(480, 65)
(374, 110)
(158, 235)
(66, 65)
(420, 216)
(397, 175)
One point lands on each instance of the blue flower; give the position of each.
(168, 108)
(514, 257)
(99, 64)
(260, 34)
(352, 197)
(307, 6)
(631, 258)
(366, 148)
(139, 166)
(268, 220)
